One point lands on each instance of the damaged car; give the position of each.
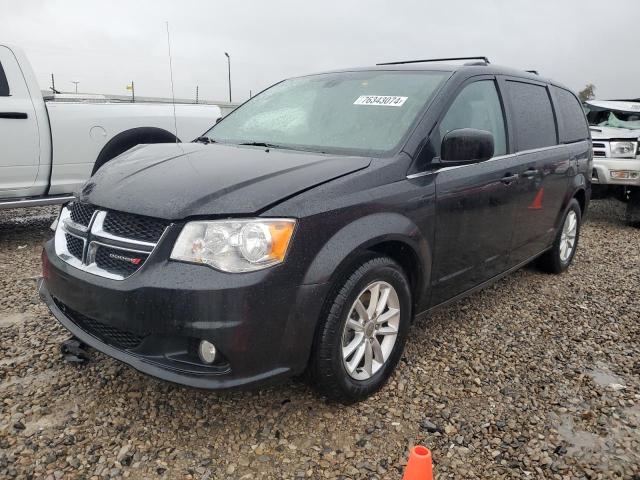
(615, 129)
(306, 230)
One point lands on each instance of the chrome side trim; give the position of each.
(421, 174)
(493, 159)
(35, 202)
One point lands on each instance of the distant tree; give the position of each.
(587, 93)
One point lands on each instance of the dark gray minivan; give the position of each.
(306, 230)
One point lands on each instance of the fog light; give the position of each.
(207, 351)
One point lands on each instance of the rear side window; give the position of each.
(4, 85)
(571, 121)
(535, 125)
(477, 106)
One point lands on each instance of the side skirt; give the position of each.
(427, 312)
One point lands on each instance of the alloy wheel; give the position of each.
(371, 330)
(568, 236)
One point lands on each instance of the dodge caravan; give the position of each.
(305, 231)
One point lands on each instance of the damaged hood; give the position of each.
(175, 181)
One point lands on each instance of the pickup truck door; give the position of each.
(475, 203)
(19, 137)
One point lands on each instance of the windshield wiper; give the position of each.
(262, 144)
(205, 140)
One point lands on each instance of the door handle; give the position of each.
(530, 173)
(14, 115)
(508, 179)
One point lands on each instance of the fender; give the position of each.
(365, 233)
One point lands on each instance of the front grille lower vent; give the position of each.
(599, 154)
(102, 331)
(136, 227)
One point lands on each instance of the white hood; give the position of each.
(607, 133)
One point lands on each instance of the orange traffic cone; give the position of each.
(419, 466)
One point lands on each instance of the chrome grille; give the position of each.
(113, 244)
(134, 226)
(600, 149)
(75, 246)
(81, 213)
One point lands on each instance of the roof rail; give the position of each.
(484, 59)
(535, 72)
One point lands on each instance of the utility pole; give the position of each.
(250, 94)
(133, 92)
(229, 68)
(76, 84)
(196, 93)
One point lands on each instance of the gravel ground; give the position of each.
(536, 377)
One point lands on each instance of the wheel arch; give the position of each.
(581, 196)
(127, 139)
(390, 234)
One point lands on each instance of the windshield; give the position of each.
(357, 113)
(614, 118)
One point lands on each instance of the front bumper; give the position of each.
(603, 166)
(262, 323)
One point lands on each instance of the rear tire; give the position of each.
(558, 258)
(375, 334)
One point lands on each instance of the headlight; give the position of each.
(623, 149)
(241, 245)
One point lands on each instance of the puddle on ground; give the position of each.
(7, 320)
(45, 422)
(602, 376)
(580, 441)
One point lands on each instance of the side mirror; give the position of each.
(466, 145)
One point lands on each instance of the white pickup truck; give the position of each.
(48, 149)
(615, 130)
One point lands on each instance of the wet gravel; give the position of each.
(536, 377)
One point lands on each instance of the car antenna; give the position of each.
(173, 96)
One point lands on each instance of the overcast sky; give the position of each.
(106, 44)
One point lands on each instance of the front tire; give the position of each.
(558, 258)
(361, 340)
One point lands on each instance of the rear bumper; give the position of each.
(603, 166)
(154, 320)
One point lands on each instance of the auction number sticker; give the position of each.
(383, 100)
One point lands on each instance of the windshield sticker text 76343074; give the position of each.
(383, 100)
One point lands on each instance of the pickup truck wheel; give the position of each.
(361, 340)
(129, 139)
(559, 257)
